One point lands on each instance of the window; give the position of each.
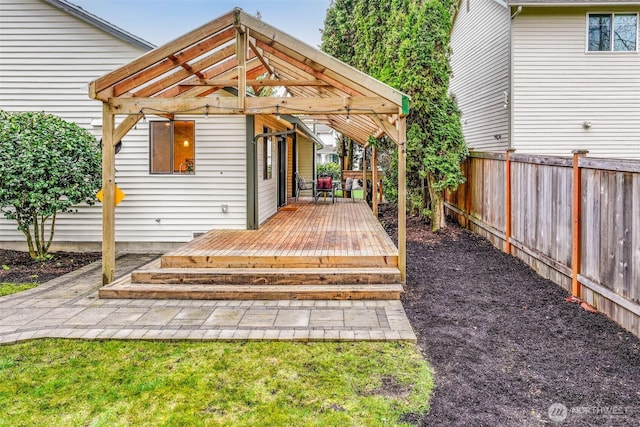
(617, 32)
(172, 147)
(267, 155)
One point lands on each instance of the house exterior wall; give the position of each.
(557, 86)
(267, 188)
(47, 59)
(185, 204)
(480, 65)
(305, 163)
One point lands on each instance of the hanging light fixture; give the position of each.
(348, 120)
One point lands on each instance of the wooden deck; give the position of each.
(301, 234)
(305, 251)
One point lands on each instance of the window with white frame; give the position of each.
(172, 147)
(612, 32)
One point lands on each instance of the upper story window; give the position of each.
(172, 147)
(613, 32)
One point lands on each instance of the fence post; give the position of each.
(467, 194)
(507, 225)
(575, 229)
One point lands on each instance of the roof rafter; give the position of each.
(159, 54)
(171, 61)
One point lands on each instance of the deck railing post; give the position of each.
(507, 178)
(576, 228)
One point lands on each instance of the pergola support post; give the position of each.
(241, 55)
(402, 198)
(108, 198)
(374, 180)
(364, 172)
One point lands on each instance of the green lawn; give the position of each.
(357, 194)
(12, 288)
(106, 383)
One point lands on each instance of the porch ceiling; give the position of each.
(189, 75)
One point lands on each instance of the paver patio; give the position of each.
(69, 307)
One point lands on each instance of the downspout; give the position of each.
(510, 88)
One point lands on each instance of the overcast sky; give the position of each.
(160, 21)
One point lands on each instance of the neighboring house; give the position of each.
(548, 76)
(182, 177)
(329, 137)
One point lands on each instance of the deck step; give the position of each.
(266, 276)
(249, 261)
(123, 289)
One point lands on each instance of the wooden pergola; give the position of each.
(208, 71)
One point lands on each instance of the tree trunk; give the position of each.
(425, 199)
(27, 233)
(437, 206)
(350, 154)
(51, 233)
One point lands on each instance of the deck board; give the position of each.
(343, 229)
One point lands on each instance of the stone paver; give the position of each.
(69, 307)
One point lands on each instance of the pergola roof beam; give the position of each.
(171, 61)
(160, 53)
(334, 67)
(257, 105)
(319, 75)
(182, 74)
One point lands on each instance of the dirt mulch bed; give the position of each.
(18, 267)
(505, 345)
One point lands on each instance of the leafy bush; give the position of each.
(332, 168)
(47, 166)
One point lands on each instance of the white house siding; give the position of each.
(290, 167)
(184, 204)
(557, 87)
(267, 188)
(480, 64)
(47, 57)
(305, 163)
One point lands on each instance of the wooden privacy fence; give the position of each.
(524, 204)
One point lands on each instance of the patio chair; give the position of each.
(348, 187)
(301, 184)
(324, 186)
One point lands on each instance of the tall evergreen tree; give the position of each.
(405, 43)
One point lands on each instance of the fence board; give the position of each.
(635, 239)
(610, 164)
(590, 222)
